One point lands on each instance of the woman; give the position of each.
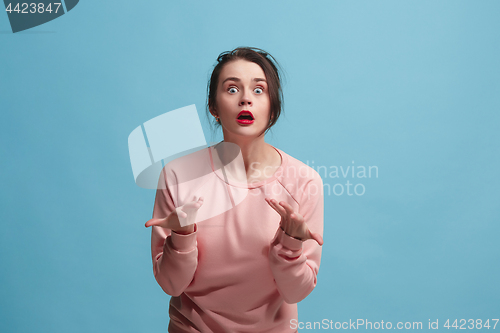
(242, 268)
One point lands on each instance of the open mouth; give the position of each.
(245, 117)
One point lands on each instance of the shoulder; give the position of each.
(298, 177)
(188, 167)
(296, 169)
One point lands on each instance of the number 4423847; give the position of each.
(33, 8)
(472, 324)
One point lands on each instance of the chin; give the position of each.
(246, 132)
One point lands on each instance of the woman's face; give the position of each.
(242, 101)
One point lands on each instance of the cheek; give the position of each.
(222, 100)
(268, 104)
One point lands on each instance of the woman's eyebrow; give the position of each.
(257, 79)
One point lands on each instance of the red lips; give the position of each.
(245, 113)
(245, 117)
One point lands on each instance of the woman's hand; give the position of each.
(292, 223)
(185, 213)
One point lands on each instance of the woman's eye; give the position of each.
(232, 90)
(258, 90)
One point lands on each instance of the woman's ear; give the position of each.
(212, 109)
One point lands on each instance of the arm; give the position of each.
(295, 263)
(175, 255)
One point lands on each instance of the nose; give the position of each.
(246, 99)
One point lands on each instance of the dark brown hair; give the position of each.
(271, 69)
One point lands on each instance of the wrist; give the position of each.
(286, 233)
(185, 230)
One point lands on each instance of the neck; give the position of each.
(253, 150)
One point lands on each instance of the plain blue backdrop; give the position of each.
(411, 87)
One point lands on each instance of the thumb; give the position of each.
(180, 213)
(155, 222)
(317, 237)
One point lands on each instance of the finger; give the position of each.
(317, 237)
(272, 206)
(269, 201)
(296, 217)
(287, 207)
(199, 203)
(182, 213)
(199, 200)
(194, 204)
(280, 210)
(154, 222)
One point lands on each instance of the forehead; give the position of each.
(242, 69)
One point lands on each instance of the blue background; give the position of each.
(411, 87)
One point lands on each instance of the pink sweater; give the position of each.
(238, 272)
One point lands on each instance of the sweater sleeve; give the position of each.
(295, 263)
(175, 256)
